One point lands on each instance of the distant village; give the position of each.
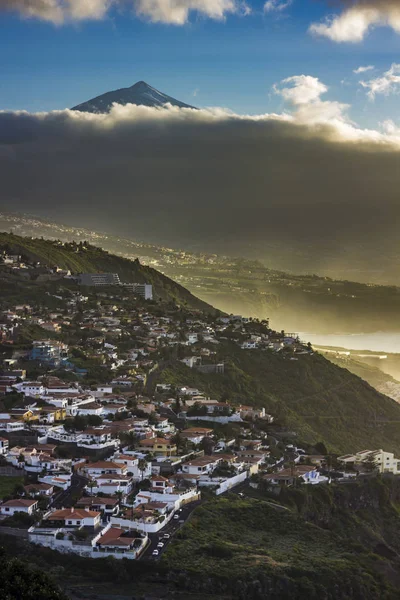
(110, 452)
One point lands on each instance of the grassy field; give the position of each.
(7, 485)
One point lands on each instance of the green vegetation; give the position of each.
(9, 484)
(82, 257)
(19, 581)
(309, 396)
(339, 538)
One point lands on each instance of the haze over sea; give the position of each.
(380, 341)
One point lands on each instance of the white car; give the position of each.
(155, 553)
(160, 545)
(166, 536)
(176, 516)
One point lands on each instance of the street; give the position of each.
(66, 498)
(173, 526)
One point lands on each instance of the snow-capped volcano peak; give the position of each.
(140, 93)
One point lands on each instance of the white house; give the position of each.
(385, 462)
(201, 465)
(111, 484)
(74, 517)
(191, 361)
(3, 446)
(11, 425)
(90, 409)
(23, 505)
(62, 481)
(34, 389)
(103, 467)
(132, 465)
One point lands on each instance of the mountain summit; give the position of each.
(140, 93)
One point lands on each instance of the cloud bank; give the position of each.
(175, 12)
(209, 179)
(357, 20)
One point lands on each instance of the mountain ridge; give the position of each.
(140, 93)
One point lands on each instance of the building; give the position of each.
(306, 473)
(119, 543)
(196, 434)
(3, 445)
(212, 368)
(39, 489)
(385, 462)
(73, 517)
(249, 412)
(109, 507)
(99, 279)
(144, 290)
(199, 466)
(158, 446)
(18, 505)
(49, 351)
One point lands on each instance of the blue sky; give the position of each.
(231, 63)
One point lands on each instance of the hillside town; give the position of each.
(111, 453)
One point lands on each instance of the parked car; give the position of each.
(166, 536)
(155, 553)
(160, 545)
(176, 517)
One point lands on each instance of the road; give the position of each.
(173, 526)
(67, 498)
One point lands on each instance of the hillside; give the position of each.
(336, 543)
(311, 543)
(86, 258)
(307, 303)
(310, 396)
(372, 372)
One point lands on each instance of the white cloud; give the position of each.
(387, 84)
(276, 5)
(304, 95)
(363, 69)
(354, 23)
(304, 89)
(175, 12)
(58, 11)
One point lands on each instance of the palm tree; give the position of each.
(91, 485)
(142, 466)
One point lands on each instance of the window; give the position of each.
(78, 522)
(69, 522)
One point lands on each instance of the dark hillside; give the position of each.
(310, 395)
(82, 257)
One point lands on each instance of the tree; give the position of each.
(370, 464)
(207, 444)
(142, 466)
(92, 483)
(320, 448)
(19, 580)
